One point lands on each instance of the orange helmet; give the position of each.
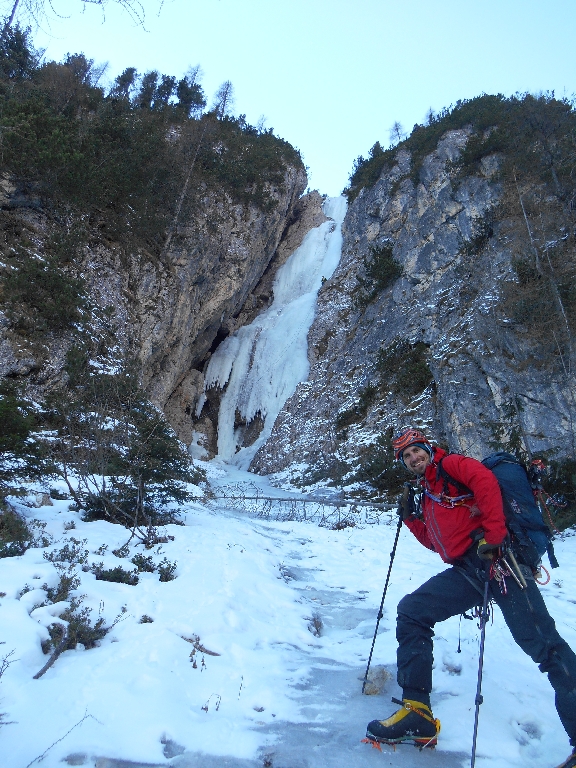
(409, 436)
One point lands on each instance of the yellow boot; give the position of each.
(414, 722)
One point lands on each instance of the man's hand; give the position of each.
(406, 505)
(487, 551)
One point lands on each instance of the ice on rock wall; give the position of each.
(262, 363)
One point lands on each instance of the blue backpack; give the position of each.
(530, 535)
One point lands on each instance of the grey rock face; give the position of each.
(169, 310)
(447, 299)
(181, 307)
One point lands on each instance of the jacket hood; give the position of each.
(438, 453)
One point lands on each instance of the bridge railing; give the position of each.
(334, 513)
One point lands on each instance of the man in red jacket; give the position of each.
(467, 528)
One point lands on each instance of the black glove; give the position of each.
(407, 505)
(487, 551)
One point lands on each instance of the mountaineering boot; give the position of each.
(570, 761)
(414, 721)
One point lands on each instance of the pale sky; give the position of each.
(332, 76)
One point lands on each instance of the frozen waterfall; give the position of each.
(262, 363)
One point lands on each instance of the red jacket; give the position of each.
(446, 528)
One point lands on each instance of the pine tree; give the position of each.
(124, 84)
(121, 460)
(20, 456)
(223, 100)
(190, 94)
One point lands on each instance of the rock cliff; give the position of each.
(437, 344)
(166, 310)
(181, 308)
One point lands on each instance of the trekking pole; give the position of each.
(380, 614)
(479, 699)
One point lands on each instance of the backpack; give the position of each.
(530, 535)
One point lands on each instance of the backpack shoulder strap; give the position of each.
(448, 479)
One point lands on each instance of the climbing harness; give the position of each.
(444, 498)
(449, 501)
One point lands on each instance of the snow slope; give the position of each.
(290, 607)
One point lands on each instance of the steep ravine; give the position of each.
(453, 244)
(170, 310)
(439, 313)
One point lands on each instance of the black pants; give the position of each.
(451, 593)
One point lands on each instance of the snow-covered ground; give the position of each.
(289, 608)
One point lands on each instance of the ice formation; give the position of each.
(261, 364)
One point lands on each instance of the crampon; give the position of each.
(426, 743)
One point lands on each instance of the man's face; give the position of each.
(416, 459)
